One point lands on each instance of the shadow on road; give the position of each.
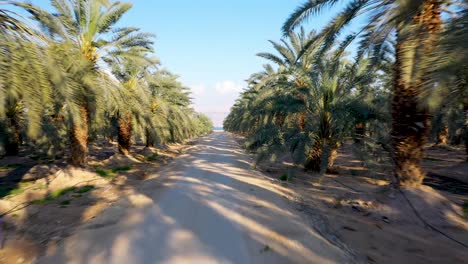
(208, 206)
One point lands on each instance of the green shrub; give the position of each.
(14, 189)
(65, 202)
(284, 177)
(122, 168)
(153, 157)
(112, 172)
(104, 173)
(54, 195)
(85, 189)
(266, 248)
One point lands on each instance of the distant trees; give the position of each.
(81, 77)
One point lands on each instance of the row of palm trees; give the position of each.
(409, 66)
(71, 76)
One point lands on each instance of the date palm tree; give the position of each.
(173, 117)
(291, 55)
(25, 91)
(133, 104)
(451, 70)
(90, 27)
(18, 90)
(416, 27)
(56, 88)
(11, 23)
(311, 91)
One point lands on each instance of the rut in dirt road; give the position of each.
(208, 206)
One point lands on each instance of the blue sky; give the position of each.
(211, 44)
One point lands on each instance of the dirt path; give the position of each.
(208, 206)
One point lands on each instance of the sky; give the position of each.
(212, 44)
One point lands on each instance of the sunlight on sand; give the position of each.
(278, 242)
(209, 206)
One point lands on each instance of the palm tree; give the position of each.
(313, 93)
(203, 124)
(451, 71)
(12, 23)
(89, 26)
(417, 26)
(17, 90)
(291, 55)
(57, 89)
(23, 85)
(134, 93)
(174, 119)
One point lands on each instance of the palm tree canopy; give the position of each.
(91, 26)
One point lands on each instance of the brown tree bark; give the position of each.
(125, 134)
(359, 132)
(79, 140)
(314, 159)
(465, 128)
(149, 139)
(325, 146)
(442, 136)
(279, 119)
(12, 137)
(301, 121)
(411, 123)
(13, 140)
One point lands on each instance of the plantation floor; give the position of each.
(376, 222)
(208, 206)
(43, 201)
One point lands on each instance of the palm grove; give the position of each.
(405, 84)
(71, 76)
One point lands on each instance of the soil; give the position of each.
(207, 206)
(354, 208)
(43, 200)
(361, 211)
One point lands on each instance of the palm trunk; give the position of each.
(149, 139)
(301, 121)
(359, 132)
(324, 152)
(442, 136)
(313, 160)
(12, 137)
(465, 128)
(79, 140)
(410, 124)
(316, 156)
(13, 140)
(125, 134)
(302, 115)
(280, 118)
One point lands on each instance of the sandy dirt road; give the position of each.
(207, 206)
